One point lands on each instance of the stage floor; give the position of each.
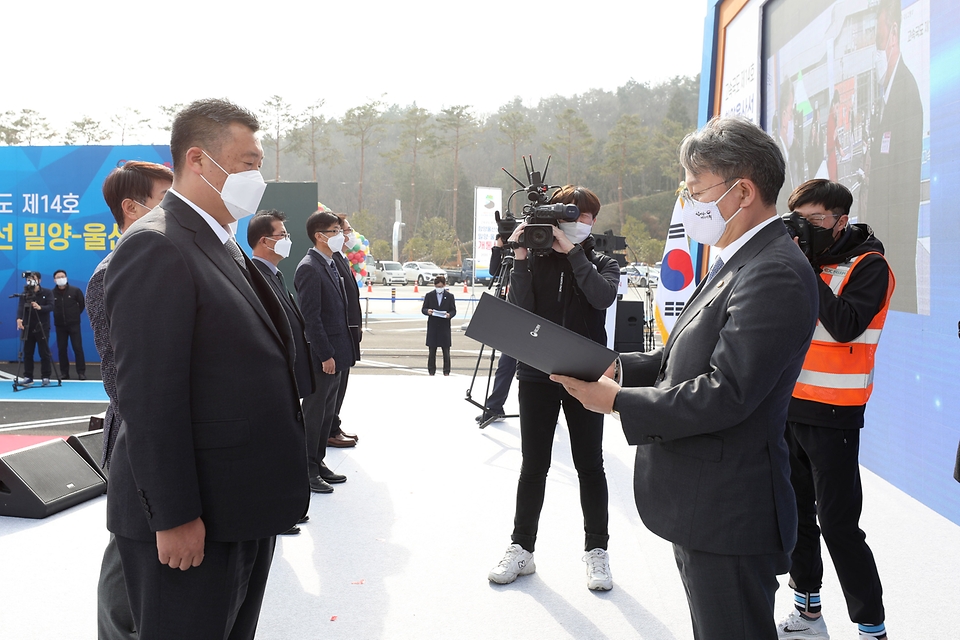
(402, 549)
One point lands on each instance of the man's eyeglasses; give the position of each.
(279, 235)
(335, 232)
(816, 218)
(687, 196)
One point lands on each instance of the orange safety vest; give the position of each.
(841, 373)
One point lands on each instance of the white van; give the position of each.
(389, 273)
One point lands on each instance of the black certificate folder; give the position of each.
(537, 342)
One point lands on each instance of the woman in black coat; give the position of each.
(439, 306)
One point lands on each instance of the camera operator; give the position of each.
(68, 304)
(33, 318)
(571, 285)
(826, 412)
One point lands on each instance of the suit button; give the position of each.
(654, 438)
(299, 416)
(140, 493)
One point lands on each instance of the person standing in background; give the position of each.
(68, 304)
(439, 306)
(354, 318)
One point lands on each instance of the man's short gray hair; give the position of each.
(735, 148)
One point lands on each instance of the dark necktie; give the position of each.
(335, 274)
(714, 269)
(234, 250)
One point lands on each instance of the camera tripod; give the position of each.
(499, 290)
(31, 322)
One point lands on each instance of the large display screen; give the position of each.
(847, 97)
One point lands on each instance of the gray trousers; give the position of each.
(114, 618)
(731, 597)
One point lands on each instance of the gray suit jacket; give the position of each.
(212, 425)
(710, 407)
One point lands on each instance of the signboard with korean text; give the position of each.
(486, 201)
(53, 216)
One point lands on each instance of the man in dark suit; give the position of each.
(789, 144)
(324, 306)
(891, 199)
(268, 239)
(354, 319)
(209, 464)
(439, 306)
(130, 191)
(708, 409)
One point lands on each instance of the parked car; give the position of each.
(388, 273)
(422, 272)
(467, 274)
(641, 275)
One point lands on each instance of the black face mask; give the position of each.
(821, 238)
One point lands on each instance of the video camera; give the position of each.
(539, 216)
(799, 228)
(28, 288)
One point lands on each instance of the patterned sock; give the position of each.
(807, 601)
(872, 630)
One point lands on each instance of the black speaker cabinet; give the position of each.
(629, 327)
(41, 480)
(89, 444)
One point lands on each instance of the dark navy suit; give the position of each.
(324, 307)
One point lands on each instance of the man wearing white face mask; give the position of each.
(337, 437)
(209, 465)
(708, 410)
(324, 305)
(68, 304)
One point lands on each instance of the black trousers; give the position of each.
(71, 333)
(825, 473)
(219, 600)
(432, 360)
(319, 411)
(539, 409)
(731, 597)
(33, 339)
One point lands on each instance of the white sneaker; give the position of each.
(599, 577)
(517, 561)
(796, 627)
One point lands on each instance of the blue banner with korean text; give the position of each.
(53, 216)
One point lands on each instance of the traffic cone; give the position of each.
(369, 286)
(465, 290)
(416, 289)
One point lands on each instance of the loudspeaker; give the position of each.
(628, 335)
(41, 480)
(89, 444)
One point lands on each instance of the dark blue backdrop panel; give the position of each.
(53, 216)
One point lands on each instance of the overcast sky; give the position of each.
(95, 58)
